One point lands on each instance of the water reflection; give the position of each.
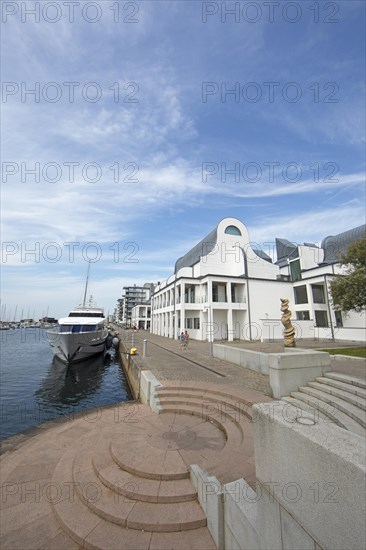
(71, 384)
(36, 388)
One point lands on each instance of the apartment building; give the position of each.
(227, 288)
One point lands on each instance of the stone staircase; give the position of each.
(231, 412)
(133, 490)
(336, 398)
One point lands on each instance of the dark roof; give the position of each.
(201, 249)
(336, 245)
(262, 255)
(285, 250)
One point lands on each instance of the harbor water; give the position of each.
(35, 387)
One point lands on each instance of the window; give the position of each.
(338, 317)
(219, 293)
(89, 328)
(318, 294)
(189, 322)
(321, 318)
(303, 316)
(301, 295)
(295, 270)
(189, 296)
(196, 322)
(233, 293)
(232, 230)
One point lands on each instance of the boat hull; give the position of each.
(74, 347)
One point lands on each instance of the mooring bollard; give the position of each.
(144, 348)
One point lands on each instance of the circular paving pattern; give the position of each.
(184, 432)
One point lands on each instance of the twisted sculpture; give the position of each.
(289, 331)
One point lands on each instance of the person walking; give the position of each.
(181, 340)
(186, 339)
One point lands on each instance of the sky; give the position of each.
(130, 129)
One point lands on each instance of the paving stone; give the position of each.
(198, 539)
(33, 535)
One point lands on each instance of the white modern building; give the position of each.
(133, 296)
(227, 288)
(141, 316)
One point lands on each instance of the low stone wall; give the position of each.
(287, 371)
(132, 366)
(310, 482)
(252, 360)
(309, 494)
(148, 384)
(294, 368)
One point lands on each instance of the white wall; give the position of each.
(310, 482)
(265, 299)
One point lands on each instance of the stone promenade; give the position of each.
(119, 477)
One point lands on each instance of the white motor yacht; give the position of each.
(80, 335)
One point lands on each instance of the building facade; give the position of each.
(132, 296)
(141, 316)
(226, 288)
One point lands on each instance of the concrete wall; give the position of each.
(287, 371)
(309, 494)
(132, 365)
(252, 360)
(148, 385)
(310, 483)
(294, 368)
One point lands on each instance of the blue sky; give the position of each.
(146, 94)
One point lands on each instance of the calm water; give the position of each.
(35, 388)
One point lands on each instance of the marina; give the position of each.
(82, 334)
(37, 388)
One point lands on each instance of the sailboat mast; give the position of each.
(86, 285)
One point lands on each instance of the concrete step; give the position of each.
(350, 388)
(224, 421)
(146, 516)
(347, 408)
(207, 410)
(155, 465)
(317, 415)
(138, 488)
(345, 395)
(345, 378)
(338, 417)
(235, 459)
(244, 396)
(206, 400)
(93, 533)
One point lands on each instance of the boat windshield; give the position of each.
(86, 314)
(78, 328)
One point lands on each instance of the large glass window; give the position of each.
(189, 296)
(318, 294)
(303, 316)
(219, 293)
(232, 230)
(295, 269)
(301, 295)
(189, 322)
(338, 317)
(321, 318)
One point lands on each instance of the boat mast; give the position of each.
(86, 285)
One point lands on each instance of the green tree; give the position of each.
(349, 290)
